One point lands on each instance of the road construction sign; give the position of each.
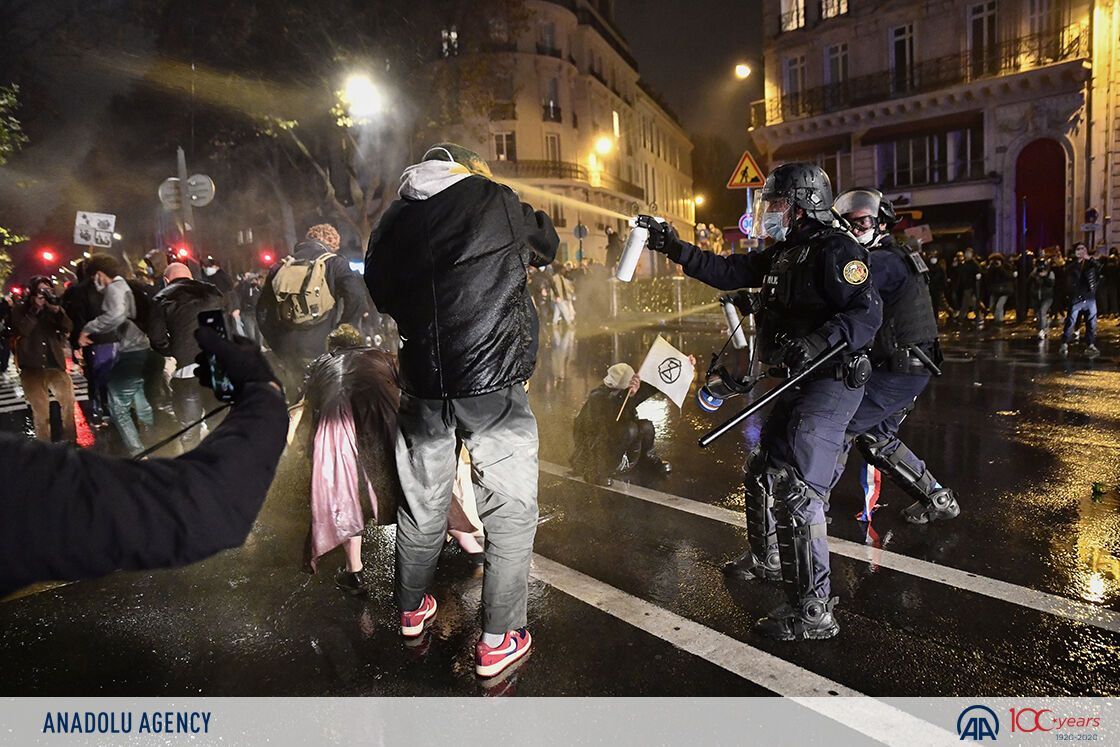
(747, 174)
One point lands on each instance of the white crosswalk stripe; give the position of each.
(11, 391)
(1098, 617)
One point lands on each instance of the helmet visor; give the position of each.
(857, 202)
(763, 206)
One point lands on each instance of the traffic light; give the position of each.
(182, 252)
(48, 255)
(267, 258)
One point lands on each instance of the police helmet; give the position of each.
(805, 185)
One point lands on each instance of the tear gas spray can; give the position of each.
(734, 325)
(631, 253)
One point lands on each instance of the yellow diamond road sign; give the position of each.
(746, 174)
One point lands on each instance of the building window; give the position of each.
(838, 166)
(937, 158)
(1045, 23)
(499, 31)
(983, 46)
(833, 8)
(449, 46)
(551, 147)
(556, 212)
(903, 78)
(793, 84)
(617, 125)
(836, 64)
(505, 146)
(793, 15)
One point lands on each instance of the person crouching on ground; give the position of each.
(448, 263)
(607, 443)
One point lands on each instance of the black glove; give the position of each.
(745, 301)
(799, 353)
(240, 358)
(662, 237)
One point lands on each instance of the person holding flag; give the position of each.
(610, 438)
(817, 310)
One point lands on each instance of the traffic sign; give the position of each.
(94, 229)
(580, 231)
(921, 234)
(200, 191)
(747, 174)
(169, 194)
(746, 223)
(1090, 227)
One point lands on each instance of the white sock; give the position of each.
(493, 639)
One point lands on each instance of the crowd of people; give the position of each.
(1039, 286)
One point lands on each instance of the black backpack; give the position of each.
(144, 295)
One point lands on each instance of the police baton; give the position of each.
(771, 395)
(925, 359)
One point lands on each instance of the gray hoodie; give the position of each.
(118, 309)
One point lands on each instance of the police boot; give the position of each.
(761, 560)
(940, 505)
(894, 459)
(807, 615)
(810, 620)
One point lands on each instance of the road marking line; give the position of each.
(1098, 617)
(871, 717)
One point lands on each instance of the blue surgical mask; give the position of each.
(774, 224)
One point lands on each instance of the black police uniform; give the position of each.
(815, 287)
(898, 377)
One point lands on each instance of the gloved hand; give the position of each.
(800, 352)
(240, 358)
(745, 301)
(662, 237)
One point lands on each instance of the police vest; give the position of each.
(792, 302)
(909, 318)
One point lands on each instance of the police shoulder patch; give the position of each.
(856, 272)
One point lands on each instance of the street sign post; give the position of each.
(746, 222)
(747, 174)
(94, 229)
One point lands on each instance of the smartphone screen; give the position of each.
(223, 387)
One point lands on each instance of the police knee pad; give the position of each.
(874, 449)
(792, 495)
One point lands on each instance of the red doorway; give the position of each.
(1040, 195)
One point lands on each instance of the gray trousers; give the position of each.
(500, 434)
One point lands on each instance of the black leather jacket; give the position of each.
(175, 318)
(1082, 279)
(451, 270)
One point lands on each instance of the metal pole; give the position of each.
(185, 198)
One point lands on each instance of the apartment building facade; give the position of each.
(575, 119)
(973, 115)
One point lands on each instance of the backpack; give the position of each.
(142, 295)
(302, 292)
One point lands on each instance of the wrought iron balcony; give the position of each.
(552, 113)
(549, 51)
(566, 170)
(1005, 58)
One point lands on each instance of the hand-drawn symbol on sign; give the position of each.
(669, 370)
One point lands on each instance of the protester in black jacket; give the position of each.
(174, 319)
(296, 346)
(448, 262)
(1082, 276)
(1000, 280)
(68, 514)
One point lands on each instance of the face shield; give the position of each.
(772, 217)
(860, 207)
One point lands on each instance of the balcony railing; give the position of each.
(503, 111)
(598, 75)
(566, 170)
(552, 113)
(549, 51)
(1005, 58)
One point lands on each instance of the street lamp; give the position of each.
(742, 71)
(48, 256)
(362, 98)
(604, 145)
(699, 200)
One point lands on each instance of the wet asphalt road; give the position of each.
(1021, 433)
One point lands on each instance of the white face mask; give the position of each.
(98, 285)
(209, 270)
(866, 238)
(774, 224)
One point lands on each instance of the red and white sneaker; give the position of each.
(414, 622)
(492, 660)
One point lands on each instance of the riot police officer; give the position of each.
(904, 355)
(815, 294)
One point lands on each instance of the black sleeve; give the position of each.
(540, 235)
(157, 330)
(378, 251)
(268, 319)
(68, 513)
(350, 291)
(845, 285)
(726, 273)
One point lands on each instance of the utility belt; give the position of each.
(904, 359)
(854, 369)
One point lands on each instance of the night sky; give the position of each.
(688, 50)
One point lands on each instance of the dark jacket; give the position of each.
(175, 318)
(1082, 279)
(451, 270)
(68, 513)
(307, 343)
(39, 336)
(999, 279)
(82, 303)
(598, 431)
(1041, 286)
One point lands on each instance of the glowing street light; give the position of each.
(604, 145)
(117, 237)
(742, 71)
(48, 256)
(362, 98)
(699, 200)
